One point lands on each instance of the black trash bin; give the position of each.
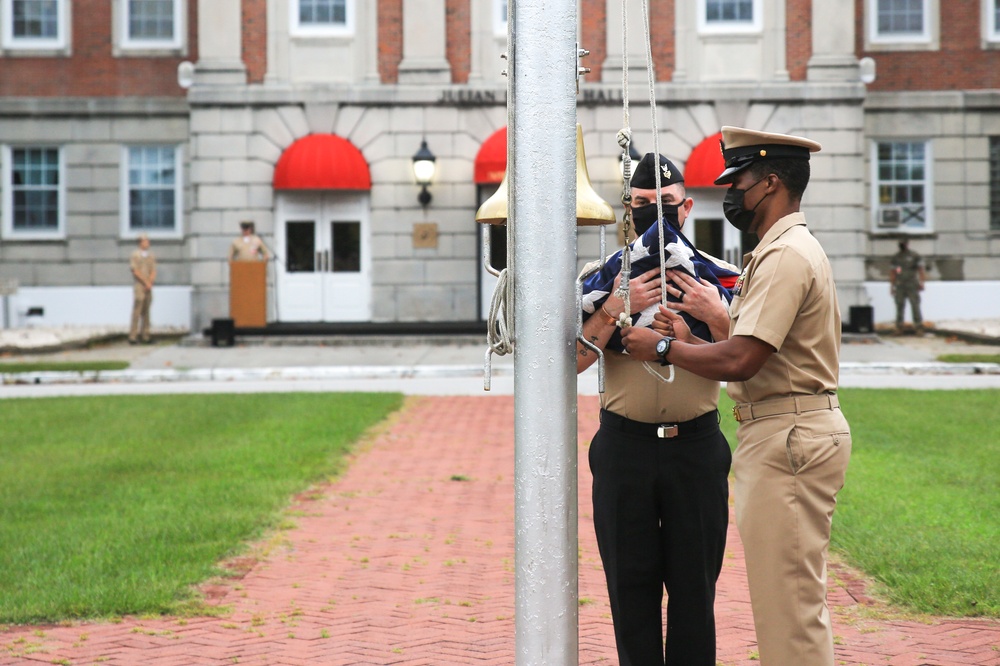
(223, 333)
(862, 318)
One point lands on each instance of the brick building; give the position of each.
(181, 118)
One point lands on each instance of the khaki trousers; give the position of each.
(141, 300)
(788, 469)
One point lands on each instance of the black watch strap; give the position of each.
(663, 348)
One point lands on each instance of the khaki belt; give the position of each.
(748, 411)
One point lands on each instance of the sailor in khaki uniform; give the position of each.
(660, 465)
(781, 361)
(142, 263)
(249, 246)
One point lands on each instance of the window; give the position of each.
(728, 16)
(152, 24)
(35, 192)
(991, 20)
(500, 17)
(902, 186)
(346, 247)
(34, 24)
(995, 183)
(151, 191)
(322, 17)
(899, 21)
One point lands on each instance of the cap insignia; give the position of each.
(666, 171)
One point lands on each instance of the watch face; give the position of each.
(661, 347)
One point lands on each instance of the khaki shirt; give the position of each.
(143, 263)
(786, 297)
(247, 248)
(631, 391)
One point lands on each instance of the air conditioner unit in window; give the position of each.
(890, 216)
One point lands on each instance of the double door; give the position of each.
(708, 229)
(324, 269)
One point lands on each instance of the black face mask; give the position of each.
(644, 217)
(732, 207)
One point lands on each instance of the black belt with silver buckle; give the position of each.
(613, 421)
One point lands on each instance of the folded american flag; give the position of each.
(680, 255)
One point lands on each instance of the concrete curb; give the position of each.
(910, 368)
(403, 372)
(251, 374)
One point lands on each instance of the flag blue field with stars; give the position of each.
(680, 255)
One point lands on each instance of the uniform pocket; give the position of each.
(806, 449)
(735, 306)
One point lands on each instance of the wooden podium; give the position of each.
(248, 293)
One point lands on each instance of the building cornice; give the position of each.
(93, 106)
(591, 94)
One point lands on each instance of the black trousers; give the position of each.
(661, 509)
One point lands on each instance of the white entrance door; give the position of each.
(708, 229)
(324, 257)
(498, 255)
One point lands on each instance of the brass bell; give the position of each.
(591, 209)
(494, 209)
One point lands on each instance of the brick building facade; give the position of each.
(120, 118)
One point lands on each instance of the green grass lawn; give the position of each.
(118, 505)
(62, 366)
(920, 511)
(969, 358)
(112, 505)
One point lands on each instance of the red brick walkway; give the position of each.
(408, 559)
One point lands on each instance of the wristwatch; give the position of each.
(663, 348)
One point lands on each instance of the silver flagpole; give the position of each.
(541, 120)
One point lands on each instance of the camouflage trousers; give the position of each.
(911, 294)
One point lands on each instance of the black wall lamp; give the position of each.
(423, 171)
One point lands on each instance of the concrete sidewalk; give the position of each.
(408, 559)
(436, 365)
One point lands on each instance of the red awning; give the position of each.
(322, 162)
(705, 163)
(491, 160)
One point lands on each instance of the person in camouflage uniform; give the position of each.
(906, 280)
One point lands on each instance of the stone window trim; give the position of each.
(929, 38)
(899, 218)
(12, 45)
(345, 29)
(127, 230)
(722, 27)
(9, 230)
(124, 44)
(994, 184)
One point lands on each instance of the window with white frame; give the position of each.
(152, 24)
(34, 24)
(500, 17)
(34, 192)
(727, 16)
(991, 20)
(322, 17)
(902, 185)
(151, 191)
(899, 21)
